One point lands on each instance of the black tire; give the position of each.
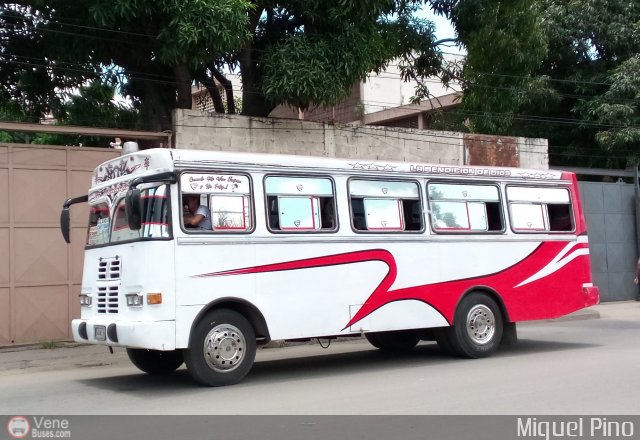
(225, 332)
(396, 341)
(155, 361)
(477, 326)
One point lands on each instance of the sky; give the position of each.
(444, 29)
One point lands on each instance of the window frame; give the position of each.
(251, 205)
(334, 204)
(404, 222)
(469, 230)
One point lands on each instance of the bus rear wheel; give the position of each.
(155, 361)
(477, 327)
(222, 348)
(395, 341)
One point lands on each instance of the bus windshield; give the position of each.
(112, 227)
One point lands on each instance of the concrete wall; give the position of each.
(388, 90)
(198, 130)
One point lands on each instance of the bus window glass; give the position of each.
(527, 217)
(155, 212)
(299, 213)
(462, 207)
(121, 231)
(381, 205)
(304, 204)
(99, 225)
(224, 197)
(477, 216)
(383, 214)
(441, 191)
(537, 195)
(229, 212)
(540, 209)
(450, 216)
(299, 185)
(375, 188)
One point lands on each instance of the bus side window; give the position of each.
(272, 212)
(540, 209)
(464, 207)
(559, 217)
(386, 206)
(300, 204)
(357, 211)
(494, 218)
(327, 213)
(412, 215)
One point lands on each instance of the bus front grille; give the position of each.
(108, 299)
(109, 269)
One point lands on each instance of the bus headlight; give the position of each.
(134, 300)
(85, 300)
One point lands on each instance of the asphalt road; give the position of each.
(575, 366)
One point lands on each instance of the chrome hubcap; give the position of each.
(481, 324)
(224, 348)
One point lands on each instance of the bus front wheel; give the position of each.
(155, 361)
(477, 327)
(222, 348)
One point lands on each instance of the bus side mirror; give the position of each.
(133, 206)
(65, 224)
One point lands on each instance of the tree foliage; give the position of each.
(294, 51)
(583, 94)
(566, 70)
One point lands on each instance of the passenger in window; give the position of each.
(195, 215)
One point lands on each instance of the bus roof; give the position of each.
(160, 159)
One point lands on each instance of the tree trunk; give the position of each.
(155, 114)
(228, 88)
(253, 100)
(183, 78)
(214, 93)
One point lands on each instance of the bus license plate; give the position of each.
(101, 332)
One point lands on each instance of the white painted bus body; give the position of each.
(321, 284)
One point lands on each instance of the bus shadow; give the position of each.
(533, 346)
(315, 366)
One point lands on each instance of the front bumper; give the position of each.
(154, 335)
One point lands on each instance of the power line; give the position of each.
(101, 29)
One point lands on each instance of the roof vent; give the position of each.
(130, 147)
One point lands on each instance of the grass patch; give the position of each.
(49, 345)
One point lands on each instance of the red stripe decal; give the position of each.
(553, 295)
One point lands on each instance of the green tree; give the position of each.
(583, 94)
(300, 52)
(92, 105)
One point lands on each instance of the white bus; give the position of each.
(306, 247)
